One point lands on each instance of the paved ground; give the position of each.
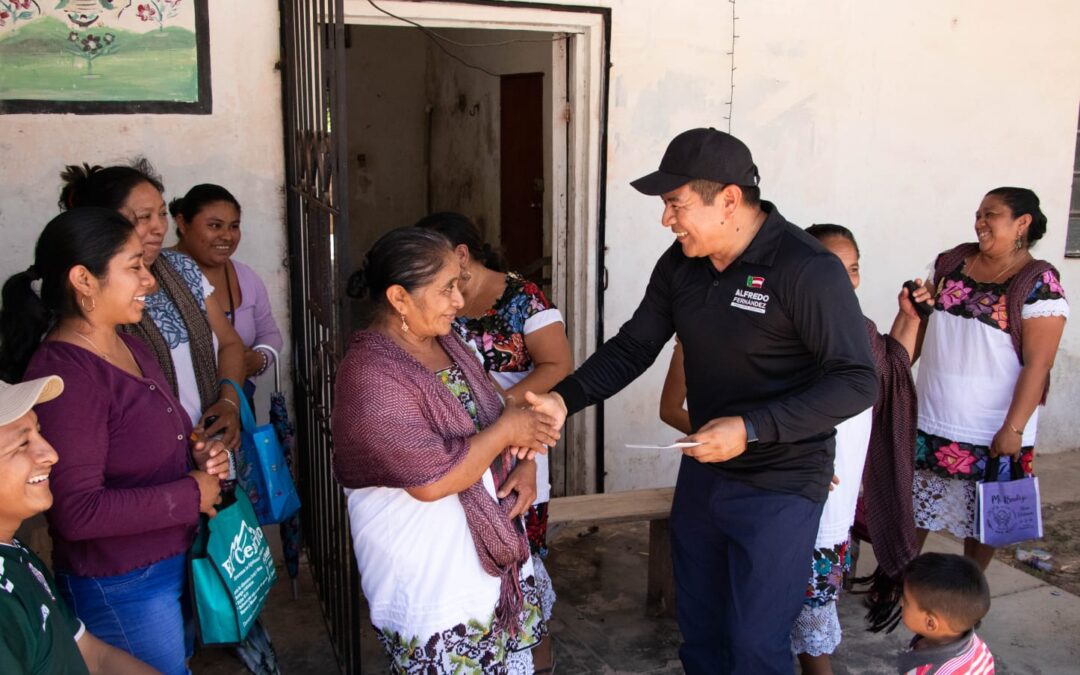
(600, 624)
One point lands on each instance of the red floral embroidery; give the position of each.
(1000, 313)
(954, 459)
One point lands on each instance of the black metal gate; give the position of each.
(313, 36)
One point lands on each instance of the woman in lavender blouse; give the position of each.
(208, 224)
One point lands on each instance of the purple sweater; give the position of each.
(121, 495)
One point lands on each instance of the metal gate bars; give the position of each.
(312, 35)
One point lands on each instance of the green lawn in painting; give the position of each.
(152, 66)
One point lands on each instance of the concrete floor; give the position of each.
(600, 624)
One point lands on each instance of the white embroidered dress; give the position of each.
(967, 374)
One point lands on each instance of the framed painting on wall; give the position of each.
(104, 56)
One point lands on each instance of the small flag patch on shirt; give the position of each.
(755, 282)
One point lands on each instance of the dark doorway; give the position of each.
(521, 178)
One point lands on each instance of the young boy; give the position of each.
(945, 597)
(38, 632)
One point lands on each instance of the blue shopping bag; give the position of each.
(1008, 511)
(262, 471)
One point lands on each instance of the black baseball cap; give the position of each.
(701, 154)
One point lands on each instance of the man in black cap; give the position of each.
(776, 355)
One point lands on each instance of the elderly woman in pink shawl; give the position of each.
(422, 445)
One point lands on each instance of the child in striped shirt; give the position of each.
(945, 597)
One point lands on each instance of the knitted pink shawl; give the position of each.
(395, 424)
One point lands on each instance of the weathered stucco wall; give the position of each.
(239, 146)
(466, 107)
(891, 119)
(394, 75)
(385, 70)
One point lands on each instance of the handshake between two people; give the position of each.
(534, 424)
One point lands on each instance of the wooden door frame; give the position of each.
(576, 199)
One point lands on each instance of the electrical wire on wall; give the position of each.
(438, 39)
(731, 54)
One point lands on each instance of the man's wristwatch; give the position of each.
(751, 433)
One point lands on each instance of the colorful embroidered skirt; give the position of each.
(471, 647)
(817, 629)
(946, 473)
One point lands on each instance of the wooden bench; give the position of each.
(628, 507)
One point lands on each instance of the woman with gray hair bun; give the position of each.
(423, 447)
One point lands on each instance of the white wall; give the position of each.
(239, 146)
(891, 118)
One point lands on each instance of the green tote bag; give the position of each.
(232, 570)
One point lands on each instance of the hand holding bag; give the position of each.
(268, 483)
(232, 570)
(1009, 511)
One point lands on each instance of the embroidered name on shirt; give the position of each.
(750, 301)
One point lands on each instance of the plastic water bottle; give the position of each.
(1035, 558)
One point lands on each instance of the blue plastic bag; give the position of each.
(262, 471)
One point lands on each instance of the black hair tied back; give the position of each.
(1024, 202)
(356, 288)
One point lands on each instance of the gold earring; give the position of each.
(465, 276)
(404, 326)
(1019, 242)
(93, 303)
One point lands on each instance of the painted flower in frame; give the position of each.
(91, 43)
(1000, 312)
(954, 293)
(4, 16)
(73, 36)
(980, 303)
(1051, 281)
(955, 459)
(146, 12)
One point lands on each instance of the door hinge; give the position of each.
(566, 114)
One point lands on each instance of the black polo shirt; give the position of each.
(778, 338)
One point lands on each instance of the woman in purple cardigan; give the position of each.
(422, 444)
(208, 224)
(129, 487)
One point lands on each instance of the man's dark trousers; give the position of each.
(742, 560)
